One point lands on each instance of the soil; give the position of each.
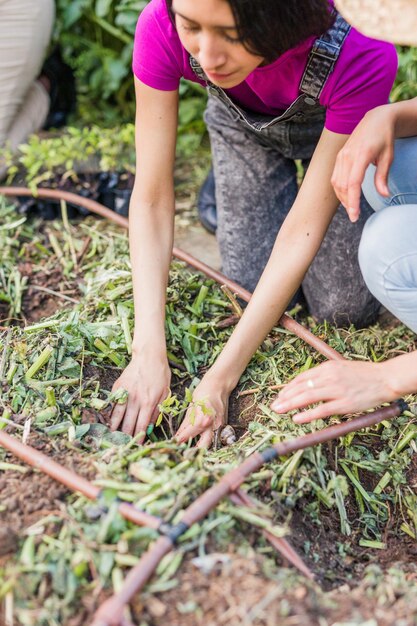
(236, 592)
(105, 374)
(27, 497)
(38, 302)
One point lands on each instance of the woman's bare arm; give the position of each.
(372, 141)
(151, 220)
(295, 248)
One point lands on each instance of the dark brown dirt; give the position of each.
(336, 559)
(236, 592)
(26, 497)
(105, 374)
(242, 411)
(38, 304)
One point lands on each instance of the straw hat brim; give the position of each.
(390, 20)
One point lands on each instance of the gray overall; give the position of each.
(256, 185)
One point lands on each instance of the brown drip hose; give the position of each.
(77, 483)
(110, 613)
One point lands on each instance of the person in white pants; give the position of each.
(25, 33)
(380, 157)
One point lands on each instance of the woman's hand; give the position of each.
(147, 381)
(372, 141)
(341, 387)
(207, 413)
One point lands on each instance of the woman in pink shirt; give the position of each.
(286, 80)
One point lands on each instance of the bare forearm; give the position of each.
(405, 118)
(400, 374)
(280, 280)
(296, 246)
(151, 240)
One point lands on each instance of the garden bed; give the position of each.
(349, 507)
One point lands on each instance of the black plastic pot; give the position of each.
(113, 189)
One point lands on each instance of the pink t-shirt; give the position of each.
(361, 80)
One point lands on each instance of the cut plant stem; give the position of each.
(12, 467)
(64, 214)
(110, 354)
(377, 545)
(50, 396)
(406, 439)
(249, 392)
(43, 358)
(54, 293)
(124, 320)
(46, 414)
(56, 248)
(42, 325)
(4, 354)
(233, 301)
(384, 482)
(57, 382)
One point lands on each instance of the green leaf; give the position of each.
(103, 7)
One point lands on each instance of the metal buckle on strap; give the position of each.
(326, 50)
(197, 69)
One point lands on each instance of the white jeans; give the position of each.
(25, 33)
(388, 248)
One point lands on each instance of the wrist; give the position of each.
(149, 350)
(394, 118)
(400, 375)
(394, 379)
(386, 112)
(226, 381)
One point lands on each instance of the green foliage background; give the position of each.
(97, 41)
(96, 37)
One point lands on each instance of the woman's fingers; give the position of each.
(190, 430)
(143, 421)
(337, 178)
(130, 418)
(117, 415)
(205, 439)
(195, 423)
(382, 171)
(319, 412)
(356, 176)
(299, 400)
(305, 382)
(192, 426)
(319, 384)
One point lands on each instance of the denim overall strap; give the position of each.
(320, 64)
(198, 71)
(323, 57)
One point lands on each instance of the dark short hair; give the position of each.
(268, 28)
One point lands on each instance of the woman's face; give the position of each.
(207, 31)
